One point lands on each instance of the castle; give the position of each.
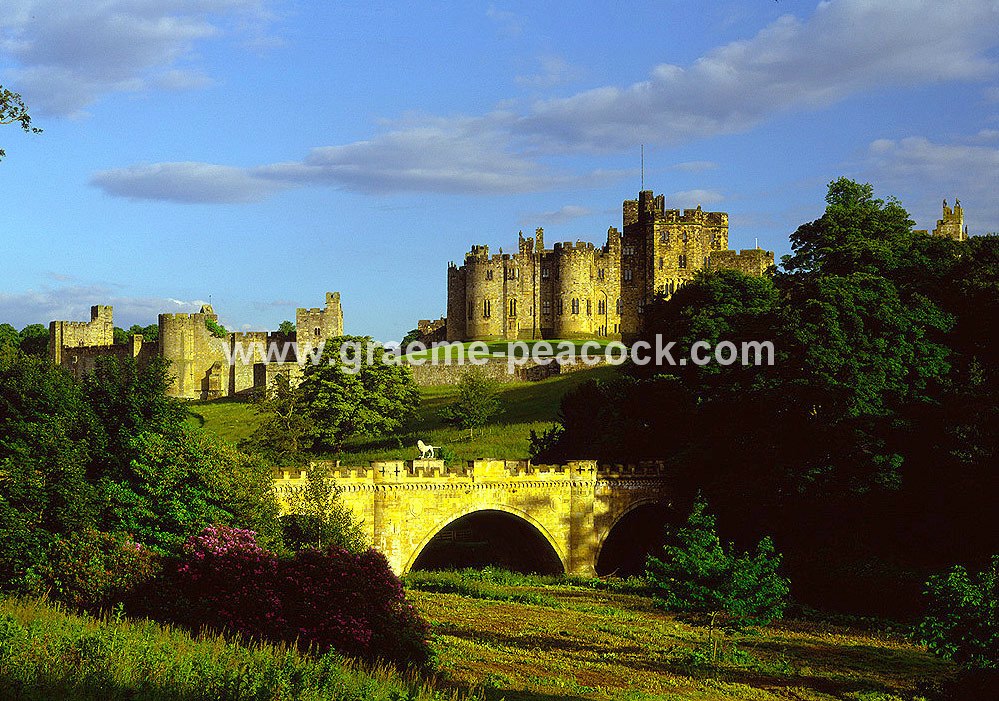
(202, 365)
(577, 290)
(952, 225)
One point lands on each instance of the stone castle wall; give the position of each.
(579, 290)
(200, 364)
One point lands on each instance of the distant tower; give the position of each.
(315, 325)
(952, 224)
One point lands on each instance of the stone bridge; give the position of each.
(407, 506)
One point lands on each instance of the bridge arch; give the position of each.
(655, 519)
(523, 516)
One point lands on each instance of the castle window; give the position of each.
(661, 263)
(600, 274)
(620, 308)
(589, 308)
(485, 309)
(641, 307)
(601, 306)
(544, 273)
(489, 275)
(546, 307)
(627, 274)
(685, 237)
(682, 262)
(513, 307)
(318, 332)
(628, 250)
(664, 238)
(617, 328)
(575, 306)
(512, 273)
(560, 308)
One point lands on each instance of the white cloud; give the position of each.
(843, 48)
(73, 302)
(923, 172)
(694, 166)
(688, 199)
(197, 183)
(68, 55)
(552, 71)
(561, 215)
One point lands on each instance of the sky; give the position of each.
(257, 153)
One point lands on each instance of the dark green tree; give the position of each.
(35, 340)
(354, 397)
(962, 617)
(44, 455)
(282, 434)
(14, 111)
(477, 401)
(149, 333)
(319, 517)
(287, 328)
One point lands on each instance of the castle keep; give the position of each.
(579, 290)
(202, 365)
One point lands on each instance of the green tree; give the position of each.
(281, 435)
(216, 329)
(149, 333)
(962, 617)
(477, 401)
(35, 340)
(354, 397)
(320, 518)
(287, 328)
(412, 336)
(14, 111)
(44, 455)
(697, 574)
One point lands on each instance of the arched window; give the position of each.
(575, 306)
(513, 307)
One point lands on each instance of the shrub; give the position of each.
(93, 570)
(962, 618)
(321, 600)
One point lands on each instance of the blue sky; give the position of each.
(260, 152)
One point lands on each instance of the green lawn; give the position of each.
(570, 641)
(526, 406)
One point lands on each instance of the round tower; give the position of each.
(573, 290)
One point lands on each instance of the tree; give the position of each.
(35, 340)
(697, 574)
(320, 517)
(286, 328)
(280, 437)
(962, 617)
(14, 111)
(412, 336)
(149, 333)
(477, 401)
(348, 396)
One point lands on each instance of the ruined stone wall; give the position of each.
(316, 325)
(99, 331)
(198, 361)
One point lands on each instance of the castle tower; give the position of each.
(952, 224)
(313, 326)
(99, 331)
(573, 290)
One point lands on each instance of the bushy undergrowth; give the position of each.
(49, 655)
(493, 583)
(321, 600)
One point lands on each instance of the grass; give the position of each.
(538, 639)
(47, 654)
(526, 406)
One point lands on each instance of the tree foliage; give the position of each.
(354, 397)
(282, 434)
(477, 401)
(962, 617)
(14, 111)
(319, 517)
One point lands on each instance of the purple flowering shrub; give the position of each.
(332, 599)
(94, 570)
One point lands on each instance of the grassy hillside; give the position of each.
(529, 641)
(526, 406)
(508, 637)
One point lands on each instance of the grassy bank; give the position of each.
(559, 638)
(526, 406)
(49, 655)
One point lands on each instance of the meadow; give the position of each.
(526, 406)
(495, 635)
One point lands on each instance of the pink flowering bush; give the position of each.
(333, 599)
